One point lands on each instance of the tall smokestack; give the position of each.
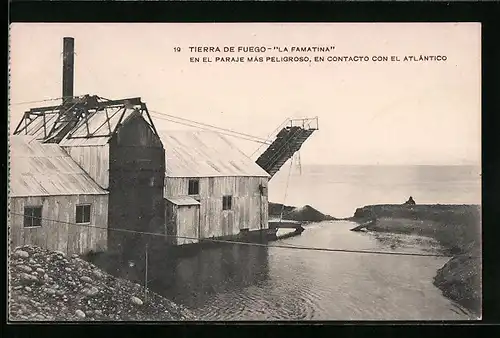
(68, 67)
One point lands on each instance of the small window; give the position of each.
(83, 213)
(227, 202)
(194, 187)
(32, 217)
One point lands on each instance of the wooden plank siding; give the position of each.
(249, 207)
(94, 160)
(53, 235)
(131, 166)
(188, 223)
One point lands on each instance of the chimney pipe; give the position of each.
(68, 68)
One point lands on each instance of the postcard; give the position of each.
(244, 172)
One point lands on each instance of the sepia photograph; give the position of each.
(173, 172)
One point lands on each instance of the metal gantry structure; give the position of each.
(53, 123)
(288, 141)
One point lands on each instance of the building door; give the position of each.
(188, 219)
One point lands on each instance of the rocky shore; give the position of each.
(302, 214)
(48, 286)
(456, 227)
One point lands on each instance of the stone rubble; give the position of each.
(50, 286)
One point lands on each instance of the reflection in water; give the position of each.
(242, 282)
(195, 280)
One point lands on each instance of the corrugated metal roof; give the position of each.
(182, 200)
(97, 125)
(205, 154)
(38, 169)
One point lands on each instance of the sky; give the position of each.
(394, 113)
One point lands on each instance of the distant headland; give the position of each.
(302, 214)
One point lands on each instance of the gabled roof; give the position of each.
(205, 154)
(38, 169)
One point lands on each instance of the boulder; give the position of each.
(22, 254)
(136, 301)
(24, 268)
(80, 314)
(86, 279)
(90, 292)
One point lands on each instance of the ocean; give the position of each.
(339, 190)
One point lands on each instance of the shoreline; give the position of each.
(455, 227)
(46, 285)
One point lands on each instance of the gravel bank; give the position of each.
(460, 279)
(48, 286)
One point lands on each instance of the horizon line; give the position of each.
(396, 164)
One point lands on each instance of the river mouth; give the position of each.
(234, 282)
(242, 282)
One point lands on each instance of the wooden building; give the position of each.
(125, 156)
(54, 204)
(212, 189)
(183, 219)
(116, 144)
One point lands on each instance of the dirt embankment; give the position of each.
(456, 227)
(302, 214)
(48, 286)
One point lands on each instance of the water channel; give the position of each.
(240, 282)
